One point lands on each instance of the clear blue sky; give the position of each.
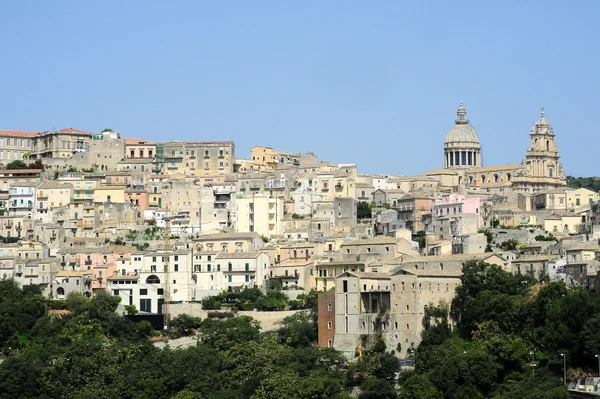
(372, 83)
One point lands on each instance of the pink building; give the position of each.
(456, 205)
(102, 262)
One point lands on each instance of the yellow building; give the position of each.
(268, 158)
(114, 194)
(83, 189)
(565, 223)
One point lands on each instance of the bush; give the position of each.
(183, 325)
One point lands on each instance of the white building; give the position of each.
(261, 214)
(21, 200)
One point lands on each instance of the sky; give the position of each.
(371, 83)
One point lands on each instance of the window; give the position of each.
(247, 267)
(143, 291)
(329, 307)
(152, 279)
(146, 305)
(176, 266)
(329, 325)
(160, 291)
(345, 286)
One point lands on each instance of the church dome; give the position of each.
(462, 132)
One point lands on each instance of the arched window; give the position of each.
(470, 179)
(496, 178)
(60, 291)
(566, 227)
(547, 145)
(508, 176)
(152, 279)
(482, 179)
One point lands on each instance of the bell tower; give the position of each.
(541, 169)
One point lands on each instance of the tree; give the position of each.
(37, 164)
(183, 325)
(298, 330)
(17, 164)
(542, 386)
(488, 293)
(379, 389)
(363, 210)
(419, 387)
(222, 334)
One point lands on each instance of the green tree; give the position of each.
(222, 334)
(363, 210)
(17, 164)
(379, 389)
(419, 387)
(298, 330)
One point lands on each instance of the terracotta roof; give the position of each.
(71, 130)
(134, 140)
(17, 133)
(20, 171)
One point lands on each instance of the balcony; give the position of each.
(325, 189)
(339, 187)
(88, 262)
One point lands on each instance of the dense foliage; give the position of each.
(502, 337)
(253, 298)
(80, 348)
(591, 183)
(509, 336)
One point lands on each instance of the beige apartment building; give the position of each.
(261, 214)
(268, 158)
(50, 195)
(14, 144)
(564, 198)
(197, 158)
(60, 144)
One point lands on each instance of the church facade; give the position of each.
(541, 169)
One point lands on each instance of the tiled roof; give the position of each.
(134, 140)
(372, 241)
(16, 133)
(72, 130)
(238, 255)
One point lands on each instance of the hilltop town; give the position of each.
(166, 225)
